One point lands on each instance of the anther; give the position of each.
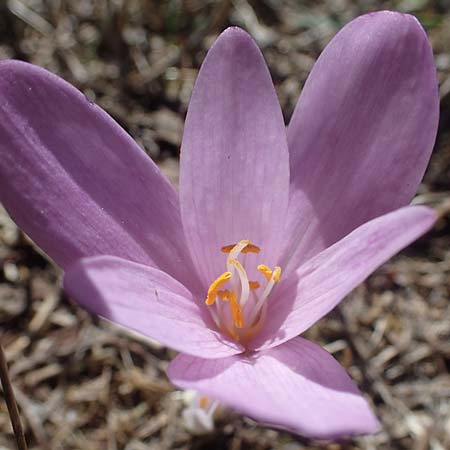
(249, 248)
(227, 248)
(241, 244)
(253, 285)
(265, 271)
(215, 287)
(236, 311)
(276, 274)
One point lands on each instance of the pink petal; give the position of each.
(76, 182)
(363, 130)
(297, 386)
(234, 162)
(148, 301)
(323, 281)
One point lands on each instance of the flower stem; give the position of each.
(11, 403)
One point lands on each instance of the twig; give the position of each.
(11, 403)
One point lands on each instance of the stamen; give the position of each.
(227, 248)
(272, 278)
(238, 293)
(276, 274)
(236, 311)
(265, 271)
(249, 248)
(215, 287)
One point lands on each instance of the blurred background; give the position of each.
(83, 384)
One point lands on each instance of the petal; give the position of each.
(323, 281)
(76, 182)
(297, 386)
(234, 172)
(147, 301)
(362, 132)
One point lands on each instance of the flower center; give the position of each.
(238, 305)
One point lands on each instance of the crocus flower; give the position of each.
(270, 229)
(198, 416)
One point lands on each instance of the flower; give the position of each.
(269, 231)
(198, 416)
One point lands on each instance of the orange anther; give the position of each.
(227, 248)
(253, 285)
(215, 287)
(236, 311)
(249, 248)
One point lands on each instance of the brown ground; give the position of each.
(83, 384)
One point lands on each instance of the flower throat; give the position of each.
(240, 304)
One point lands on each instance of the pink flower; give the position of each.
(273, 229)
